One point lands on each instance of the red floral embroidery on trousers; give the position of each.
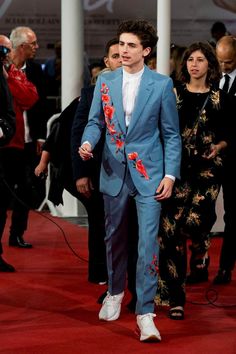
(153, 268)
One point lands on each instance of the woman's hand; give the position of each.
(215, 150)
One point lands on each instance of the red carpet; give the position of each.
(48, 306)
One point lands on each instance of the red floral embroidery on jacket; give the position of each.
(117, 137)
(133, 156)
(109, 111)
(105, 98)
(119, 144)
(111, 129)
(138, 164)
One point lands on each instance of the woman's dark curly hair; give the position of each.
(143, 29)
(214, 72)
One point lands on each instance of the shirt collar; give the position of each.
(129, 76)
(231, 75)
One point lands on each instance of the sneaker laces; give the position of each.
(145, 319)
(109, 299)
(147, 315)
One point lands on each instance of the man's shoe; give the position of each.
(111, 307)
(223, 277)
(5, 267)
(102, 297)
(19, 242)
(146, 328)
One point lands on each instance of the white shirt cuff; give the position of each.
(87, 142)
(171, 177)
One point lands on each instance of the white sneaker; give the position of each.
(111, 307)
(147, 329)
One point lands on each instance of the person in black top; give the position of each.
(7, 114)
(190, 212)
(7, 131)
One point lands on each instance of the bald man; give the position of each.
(226, 54)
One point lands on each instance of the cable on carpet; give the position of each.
(46, 217)
(211, 295)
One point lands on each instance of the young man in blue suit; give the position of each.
(141, 159)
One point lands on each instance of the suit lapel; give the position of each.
(232, 90)
(115, 87)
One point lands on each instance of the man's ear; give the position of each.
(146, 51)
(105, 59)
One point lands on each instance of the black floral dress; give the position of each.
(190, 212)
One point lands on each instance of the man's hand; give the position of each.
(39, 145)
(164, 189)
(85, 151)
(84, 186)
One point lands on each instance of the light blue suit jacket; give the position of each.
(151, 146)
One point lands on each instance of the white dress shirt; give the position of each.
(231, 75)
(130, 89)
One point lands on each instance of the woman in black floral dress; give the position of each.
(191, 210)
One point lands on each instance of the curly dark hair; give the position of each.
(110, 43)
(214, 72)
(143, 29)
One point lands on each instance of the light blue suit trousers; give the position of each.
(116, 218)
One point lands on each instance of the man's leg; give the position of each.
(147, 267)
(132, 254)
(148, 253)
(4, 202)
(116, 223)
(228, 249)
(20, 209)
(97, 266)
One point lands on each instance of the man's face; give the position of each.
(30, 46)
(4, 41)
(113, 60)
(226, 57)
(132, 52)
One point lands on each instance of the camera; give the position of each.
(3, 52)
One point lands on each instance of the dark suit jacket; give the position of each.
(232, 90)
(58, 145)
(92, 167)
(7, 114)
(37, 115)
(232, 146)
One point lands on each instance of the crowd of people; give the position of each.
(145, 153)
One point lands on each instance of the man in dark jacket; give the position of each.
(7, 115)
(226, 55)
(7, 130)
